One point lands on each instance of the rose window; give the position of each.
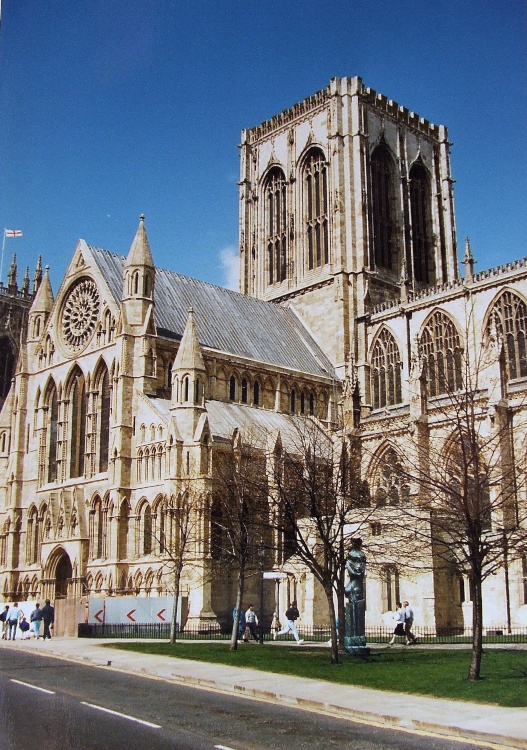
(80, 314)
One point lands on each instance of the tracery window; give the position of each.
(33, 537)
(420, 209)
(276, 225)
(390, 483)
(78, 410)
(383, 208)
(509, 315)
(7, 366)
(52, 427)
(440, 346)
(104, 397)
(316, 209)
(97, 530)
(386, 366)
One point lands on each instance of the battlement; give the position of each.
(345, 87)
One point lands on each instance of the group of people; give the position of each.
(248, 621)
(12, 618)
(404, 619)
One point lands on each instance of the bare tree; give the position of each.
(239, 523)
(319, 504)
(462, 468)
(176, 537)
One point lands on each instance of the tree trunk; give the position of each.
(238, 607)
(333, 625)
(474, 671)
(177, 579)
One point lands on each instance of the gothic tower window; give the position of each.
(440, 346)
(7, 366)
(276, 226)
(386, 366)
(509, 314)
(316, 209)
(383, 208)
(77, 424)
(422, 247)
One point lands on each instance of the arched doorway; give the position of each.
(63, 573)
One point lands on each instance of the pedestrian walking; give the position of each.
(48, 617)
(252, 621)
(36, 619)
(408, 622)
(13, 619)
(3, 621)
(399, 623)
(291, 616)
(24, 627)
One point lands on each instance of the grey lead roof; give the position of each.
(225, 320)
(257, 426)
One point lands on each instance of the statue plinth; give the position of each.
(355, 637)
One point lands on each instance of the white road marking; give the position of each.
(123, 716)
(34, 687)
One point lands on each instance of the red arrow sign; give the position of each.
(96, 615)
(160, 615)
(129, 615)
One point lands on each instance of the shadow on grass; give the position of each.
(439, 673)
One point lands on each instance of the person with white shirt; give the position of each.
(408, 622)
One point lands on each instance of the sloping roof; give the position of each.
(225, 320)
(257, 426)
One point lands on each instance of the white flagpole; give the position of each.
(3, 245)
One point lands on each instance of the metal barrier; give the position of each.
(161, 631)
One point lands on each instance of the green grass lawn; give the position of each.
(441, 673)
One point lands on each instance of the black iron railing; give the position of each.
(161, 631)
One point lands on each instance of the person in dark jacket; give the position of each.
(48, 617)
(292, 614)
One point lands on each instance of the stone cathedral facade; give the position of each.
(132, 379)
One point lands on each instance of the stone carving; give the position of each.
(355, 638)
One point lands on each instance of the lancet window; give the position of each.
(276, 226)
(77, 427)
(420, 207)
(383, 208)
(316, 209)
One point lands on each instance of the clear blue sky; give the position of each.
(113, 108)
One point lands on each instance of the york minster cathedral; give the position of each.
(124, 386)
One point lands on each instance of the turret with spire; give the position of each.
(139, 279)
(189, 380)
(37, 278)
(40, 309)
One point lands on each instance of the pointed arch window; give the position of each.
(440, 347)
(383, 208)
(256, 393)
(147, 530)
(276, 225)
(386, 366)
(97, 530)
(104, 430)
(232, 388)
(390, 482)
(316, 209)
(245, 391)
(53, 422)
(78, 411)
(420, 207)
(509, 314)
(33, 538)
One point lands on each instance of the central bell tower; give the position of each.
(345, 202)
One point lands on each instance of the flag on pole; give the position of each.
(13, 232)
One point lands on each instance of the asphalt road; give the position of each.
(50, 704)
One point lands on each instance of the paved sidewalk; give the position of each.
(482, 723)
